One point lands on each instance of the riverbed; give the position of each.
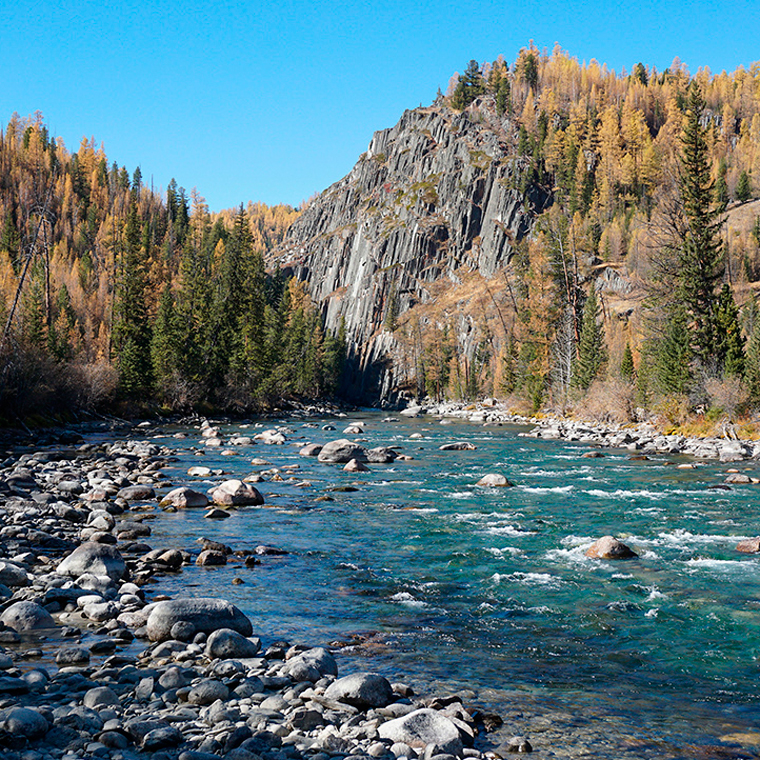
(413, 570)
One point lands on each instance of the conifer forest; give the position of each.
(632, 290)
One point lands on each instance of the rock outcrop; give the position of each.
(434, 198)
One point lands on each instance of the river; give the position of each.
(444, 584)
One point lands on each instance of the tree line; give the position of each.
(639, 275)
(113, 292)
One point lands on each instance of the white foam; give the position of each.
(529, 579)
(720, 565)
(404, 597)
(537, 489)
(509, 530)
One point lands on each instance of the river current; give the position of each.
(422, 575)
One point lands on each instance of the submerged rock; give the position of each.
(458, 446)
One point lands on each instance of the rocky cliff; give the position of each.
(433, 198)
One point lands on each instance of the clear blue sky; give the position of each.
(275, 101)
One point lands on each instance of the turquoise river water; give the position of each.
(444, 584)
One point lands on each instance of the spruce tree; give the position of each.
(743, 187)
(752, 362)
(730, 344)
(701, 246)
(672, 354)
(470, 86)
(592, 355)
(130, 338)
(165, 347)
(627, 369)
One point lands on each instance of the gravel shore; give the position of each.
(96, 662)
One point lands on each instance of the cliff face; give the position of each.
(432, 198)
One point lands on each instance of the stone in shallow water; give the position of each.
(608, 547)
(495, 480)
(27, 616)
(205, 614)
(98, 559)
(421, 728)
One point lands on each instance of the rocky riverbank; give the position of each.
(643, 438)
(96, 662)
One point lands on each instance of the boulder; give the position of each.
(312, 665)
(27, 616)
(494, 480)
(362, 690)
(738, 477)
(207, 615)
(749, 546)
(310, 450)
(12, 575)
(423, 727)
(95, 558)
(356, 466)
(207, 692)
(139, 492)
(342, 451)
(228, 644)
(608, 547)
(184, 498)
(209, 557)
(458, 446)
(381, 455)
(236, 493)
(24, 723)
(271, 437)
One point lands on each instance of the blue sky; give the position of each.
(276, 101)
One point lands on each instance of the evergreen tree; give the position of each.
(743, 187)
(592, 354)
(471, 85)
(672, 354)
(701, 249)
(627, 369)
(752, 363)
(730, 345)
(130, 340)
(165, 347)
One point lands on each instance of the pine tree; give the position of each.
(471, 85)
(701, 249)
(672, 354)
(130, 340)
(592, 354)
(743, 187)
(752, 362)
(627, 369)
(730, 344)
(165, 347)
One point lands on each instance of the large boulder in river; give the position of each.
(749, 546)
(24, 617)
(184, 498)
(342, 451)
(236, 493)
(608, 547)
(362, 690)
(205, 615)
(494, 480)
(458, 446)
(95, 558)
(381, 455)
(423, 727)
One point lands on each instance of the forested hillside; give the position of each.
(625, 278)
(113, 292)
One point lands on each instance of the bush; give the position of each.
(608, 401)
